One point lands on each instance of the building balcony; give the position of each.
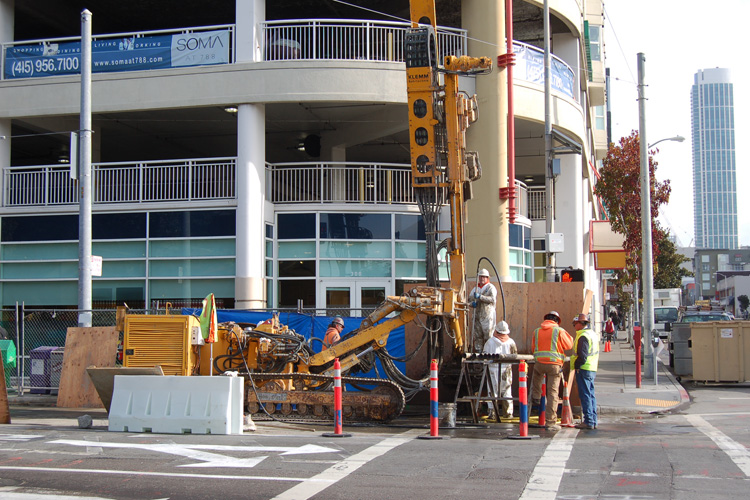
(214, 179)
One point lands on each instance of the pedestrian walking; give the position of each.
(550, 343)
(585, 361)
(609, 329)
(483, 298)
(501, 343)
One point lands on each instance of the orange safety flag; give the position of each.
(209, 325)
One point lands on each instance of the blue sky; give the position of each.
(678, 37)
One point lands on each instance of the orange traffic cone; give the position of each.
(567, 412)
(607, 347)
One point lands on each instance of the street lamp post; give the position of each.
(647, 261)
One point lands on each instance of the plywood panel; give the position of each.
(85, 347)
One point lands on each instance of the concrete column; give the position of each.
(487, 229)
(248, 36)
(569, 210)
(337, 174)
(249, 283)
(6, 35)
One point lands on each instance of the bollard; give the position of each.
(567, 411)
(543, 404)
(337, 403)
(523, 413)
(434, 420)
(541, 422)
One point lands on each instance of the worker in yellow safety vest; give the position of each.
(585, 361)
(550, 343)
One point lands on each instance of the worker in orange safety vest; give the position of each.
(333, 334)
(550, 343)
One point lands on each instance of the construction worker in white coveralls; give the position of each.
(501, 343)
(483, 298)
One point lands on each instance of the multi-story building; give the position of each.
(713, 265)
(260, 150)
(714, 177)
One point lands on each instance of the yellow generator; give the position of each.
(162, 340)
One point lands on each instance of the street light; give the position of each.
(647, 262)
(677, 138)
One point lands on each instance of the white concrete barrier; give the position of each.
(177, 405)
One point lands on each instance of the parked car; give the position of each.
(699, 316)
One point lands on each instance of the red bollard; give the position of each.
(542, 405)
(337, 403)
(434, 420)
(523, 404)
(637, 340)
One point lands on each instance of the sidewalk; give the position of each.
(615, 388)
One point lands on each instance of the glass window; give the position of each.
(295, 226)
(290, 291)
(269, 231)
(40, 228)
(539, 245)
(411, 269)
(410, 250)
(190, 288)
(195, 267)
(354, 268)
(296, 268)
(595, 42)
(355, 226)
(118, 226)
(409, 227)
(39, 270)
(355, 250)
(192, 248)
(119, 249)
(192, 223)
(118, 291)
(52, 293)
(297, 250)
(41, 251)
(124, 269)
(599, 117)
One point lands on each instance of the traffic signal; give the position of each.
(421, 87)
(570, 275)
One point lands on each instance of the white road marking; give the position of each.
(206, 459)
(546, 476)
(18, 437)
(318, 483)
(158, 474)
(736, 451)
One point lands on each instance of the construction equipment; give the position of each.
(284, 373)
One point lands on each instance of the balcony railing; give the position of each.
(156, 181)
(351, 39)
(537, 205)
(215, 179)
(339, 183)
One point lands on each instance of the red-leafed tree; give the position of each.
(619, 189)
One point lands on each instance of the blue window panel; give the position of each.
(36, 293)
(123, 268)
(297, 250)
(413, 269)
(39, 270)
(40, 251)
(119, 249)
(354, 268)
(409, 227)
(192, 248)
(355, 250)
(192, 223)
(355, 226)
(295, 226)
(190, 288)
(39, 228)
(184, 267)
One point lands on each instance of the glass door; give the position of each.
(353, 298)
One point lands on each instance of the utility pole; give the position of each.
(647, 265)
(84, 178)
(549, 179)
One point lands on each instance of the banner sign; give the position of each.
(119, 54)
(530, 67)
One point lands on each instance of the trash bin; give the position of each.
(8, 349)
(41, 369)
(720, 352)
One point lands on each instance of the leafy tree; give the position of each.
(668, 272)
(619, 189)
(744, 302)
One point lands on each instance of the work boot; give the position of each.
(585, 426)
(553, 428)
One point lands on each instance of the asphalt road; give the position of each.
(699, 453)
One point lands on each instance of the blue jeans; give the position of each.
(585, 381)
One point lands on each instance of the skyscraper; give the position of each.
(714, 177)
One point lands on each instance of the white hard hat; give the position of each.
(502, 327)
(484, 272)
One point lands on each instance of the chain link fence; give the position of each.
(32, 341)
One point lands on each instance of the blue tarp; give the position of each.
(312, 327)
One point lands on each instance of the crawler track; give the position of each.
(312, 397)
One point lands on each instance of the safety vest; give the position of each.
(592, 360)
(549, 350)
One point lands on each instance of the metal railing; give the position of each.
(347, 39)
(339, 183)
(537, 204)
(154, 181)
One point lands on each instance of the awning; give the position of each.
(606, 245)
